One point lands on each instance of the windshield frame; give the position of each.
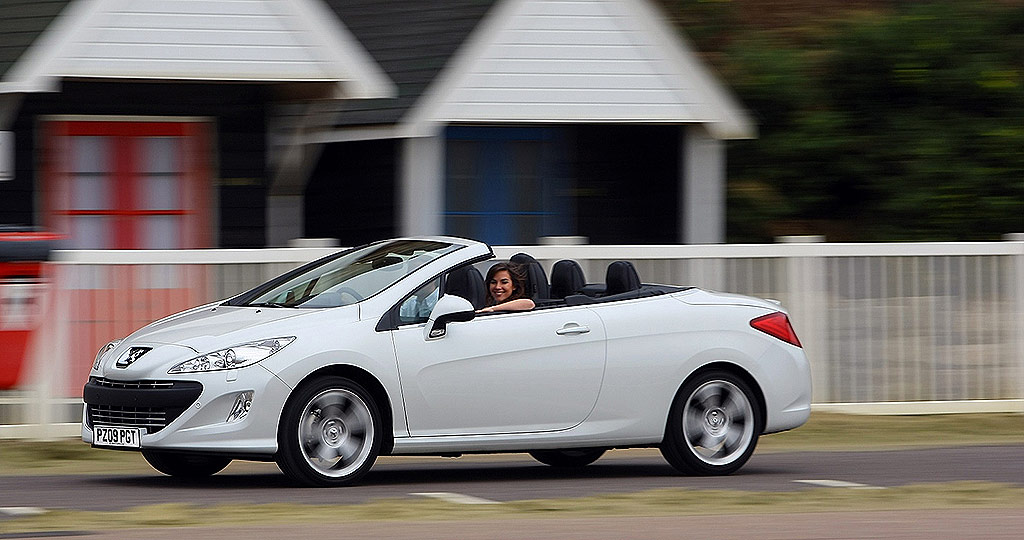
(312, 271)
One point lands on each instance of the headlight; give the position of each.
(238, 356)
(103, 352)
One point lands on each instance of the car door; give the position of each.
(507, 372)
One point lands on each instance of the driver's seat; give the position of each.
(468, 283)
(536, 280)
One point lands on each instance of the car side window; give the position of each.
(416, 308)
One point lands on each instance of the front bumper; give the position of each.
(191, 415)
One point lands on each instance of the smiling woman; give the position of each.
(506, 289)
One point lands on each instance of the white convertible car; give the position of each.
(379, 350)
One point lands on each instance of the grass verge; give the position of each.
(831, 431)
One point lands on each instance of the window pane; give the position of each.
(416, 308)
(91, 155)
(161, 155)
(160, 193)
(91, 232)
(91, 192)
(161, 232)
(349, 277)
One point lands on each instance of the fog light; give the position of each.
(241, 408)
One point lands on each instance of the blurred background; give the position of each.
(879, 120)
(156, 156)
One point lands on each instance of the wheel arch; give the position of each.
(738, 371)
(372, 385)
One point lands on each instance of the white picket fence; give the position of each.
(894, 328)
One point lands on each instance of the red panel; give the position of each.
(127, 128)
(124, 187)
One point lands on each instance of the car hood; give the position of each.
(210, 327)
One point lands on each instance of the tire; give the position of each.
(571, 458)
(713, 425)
(329, 434)
(184, 465)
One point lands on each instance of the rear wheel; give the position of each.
(713, 425)
(330, 433)
(576, 457)
(183, 465)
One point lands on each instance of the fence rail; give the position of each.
(889, 328)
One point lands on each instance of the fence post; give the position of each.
(807, 301)
(54, 359)
(1016, 296)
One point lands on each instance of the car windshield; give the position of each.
(347, 278)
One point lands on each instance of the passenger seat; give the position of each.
(536, 280)
(566, 279)
(621, 277)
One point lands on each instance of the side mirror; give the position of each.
(449, 308)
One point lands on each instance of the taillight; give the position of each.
(777, 325)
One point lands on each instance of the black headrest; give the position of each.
(536, 279)
(468, 283)
(566, 278)
(621, 277)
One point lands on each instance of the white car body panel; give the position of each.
(505, 373)
(500, 382)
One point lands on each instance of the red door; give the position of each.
(126, 184)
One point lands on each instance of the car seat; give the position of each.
(621, 277)
(468, 283)
(536, 280)
(566, 278)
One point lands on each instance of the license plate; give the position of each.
(117, 436)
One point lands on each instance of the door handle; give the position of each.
(572, 328)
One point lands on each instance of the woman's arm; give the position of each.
(520, 304)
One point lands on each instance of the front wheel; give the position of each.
(578, 457)
(713, 425)
(330, 433)
(184, 465)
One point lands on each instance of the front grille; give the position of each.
(107, 383)
(150, 405)
(152, 419)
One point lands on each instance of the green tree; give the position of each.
(905, 122)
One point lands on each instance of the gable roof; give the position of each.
(23, 21)
(533, 61)
(251, 40)
(412, 40)
(437, 62)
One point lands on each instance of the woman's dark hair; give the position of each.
(518, 276)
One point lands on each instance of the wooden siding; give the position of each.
(574, 60)
(21, 22)
(351, 194)
(412, 40)
(185, 39)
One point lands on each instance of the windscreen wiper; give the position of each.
(271, 304)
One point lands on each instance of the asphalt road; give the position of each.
(517, 477)
(972, 524)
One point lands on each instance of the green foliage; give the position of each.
(905, 122)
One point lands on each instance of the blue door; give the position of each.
(507, 185)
